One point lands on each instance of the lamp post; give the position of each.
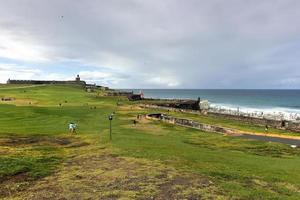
(110, 117)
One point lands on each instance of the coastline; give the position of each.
(275, 113)
(273, 103)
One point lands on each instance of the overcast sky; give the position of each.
(153, 43)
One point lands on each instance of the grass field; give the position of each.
(152, 160)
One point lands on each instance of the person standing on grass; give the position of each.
(72, 127)
(266, 128)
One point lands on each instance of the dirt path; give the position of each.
(29, 86)
(268, 138)
(269, 135)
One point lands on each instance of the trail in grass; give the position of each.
(21, 87)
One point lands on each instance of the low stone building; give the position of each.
(134, 97)
(204, 105)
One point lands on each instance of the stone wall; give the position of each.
(179, 104)
(189, 123)
(119, 93)
(278, 124)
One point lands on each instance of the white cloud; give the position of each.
(20, 47)
(163, 81)
(132, 43)
(14, 71)
(102, 78)
(111, 60)
(292, 82)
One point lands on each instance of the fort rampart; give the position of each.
(278, 124)
(35, 82)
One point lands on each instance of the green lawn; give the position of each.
(240, 168)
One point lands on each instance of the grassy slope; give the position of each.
(239, 167)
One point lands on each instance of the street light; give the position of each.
(110, 118)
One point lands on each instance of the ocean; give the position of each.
(286, 102)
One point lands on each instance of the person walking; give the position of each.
(72, 127)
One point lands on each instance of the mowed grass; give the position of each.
(239, 168)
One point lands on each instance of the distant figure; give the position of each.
(72, 127)
(266, 128)
(134, 122)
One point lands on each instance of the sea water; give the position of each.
(286, 102)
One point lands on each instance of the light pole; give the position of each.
(110, 117)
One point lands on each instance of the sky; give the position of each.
(152, 43)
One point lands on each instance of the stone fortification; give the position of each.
(278, 124)
(188, 123)
(36, 82)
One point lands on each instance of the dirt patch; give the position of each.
(147, 126)
(41, 151)
(95, 172)
(185, 187)
(34, 140)
(10, 185)
(79, 144)
(102, 175)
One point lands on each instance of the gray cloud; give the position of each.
(158, 44)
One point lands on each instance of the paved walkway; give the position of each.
(271, 139)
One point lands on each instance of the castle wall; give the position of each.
(36, 82)
(278, 124)
(190, 123)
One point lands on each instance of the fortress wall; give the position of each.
(278, 124)
(285, 125)
(190, 123)
(35, 82)
(253, 120)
